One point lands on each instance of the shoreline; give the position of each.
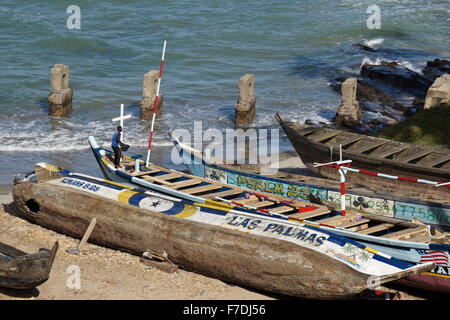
(6, 189)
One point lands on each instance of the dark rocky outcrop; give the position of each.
(397, 75)
(436, 68)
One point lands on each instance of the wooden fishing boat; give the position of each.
(268, 252)
(20, 270)
(390, 203)
(405, 161)
(403, 240)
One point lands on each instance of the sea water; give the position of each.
(294, 49)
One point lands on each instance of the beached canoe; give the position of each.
(405, 162)
(401, 239)
(20, 270)
(253, 249)
(393, 204)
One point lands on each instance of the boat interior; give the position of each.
(317, 213)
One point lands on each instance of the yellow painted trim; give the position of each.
(219, 204)
(436, 274)
(371, 250)
(188, 211)
(106, 162)
(118, 184)
(212, 206)
(124, 196)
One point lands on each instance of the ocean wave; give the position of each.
(404, 63)
(374, 42)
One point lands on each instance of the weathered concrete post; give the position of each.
(149, 95)
(349, 113)
(60, 97)
(439, 92)
(246, 104)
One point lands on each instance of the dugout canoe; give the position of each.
(256, 250)
(400, 239)
(21, 270)
(375, 155)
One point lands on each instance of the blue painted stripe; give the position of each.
(136, 198)
(214, 211)
(337, 240)
(442, 247)
(176, 209)
(394, 262)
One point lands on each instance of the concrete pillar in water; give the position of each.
(246, 104)
(349, 113)
(439, 92)
(147, 104)
(60, 97)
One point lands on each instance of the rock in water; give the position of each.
(436, 68)
(349, 113)
(397, 76)
(246, 104)
(439, 92)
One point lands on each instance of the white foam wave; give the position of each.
(374, 42)
(64, 136)
(405, 63)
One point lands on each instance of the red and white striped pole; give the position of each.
(342, 167)
(154, 109)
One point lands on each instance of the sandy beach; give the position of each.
(107, 274)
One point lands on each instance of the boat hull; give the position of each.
(19, 270)
(207, 239)
(312, 152)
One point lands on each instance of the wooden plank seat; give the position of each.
(260, 204)
(143, 173)
(311, 214)
(156, 179)
(168, 176)
(411, 154)
(323, 135)
(364, 145)
(223, 194)
(338, 219)
(405, 234)
(433, 159)
(386, 150)
(282, 209)
(342, 139)
(185, 183)
(353, 223)
(203, 188)
(377, 228)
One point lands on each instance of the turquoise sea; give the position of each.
(294, 49)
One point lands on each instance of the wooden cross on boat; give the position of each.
(121, 118)
(342, 166)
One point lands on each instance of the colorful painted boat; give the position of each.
(406, 163)
(20, 270)
(393, 204)
(404, 240)
(262, 251)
